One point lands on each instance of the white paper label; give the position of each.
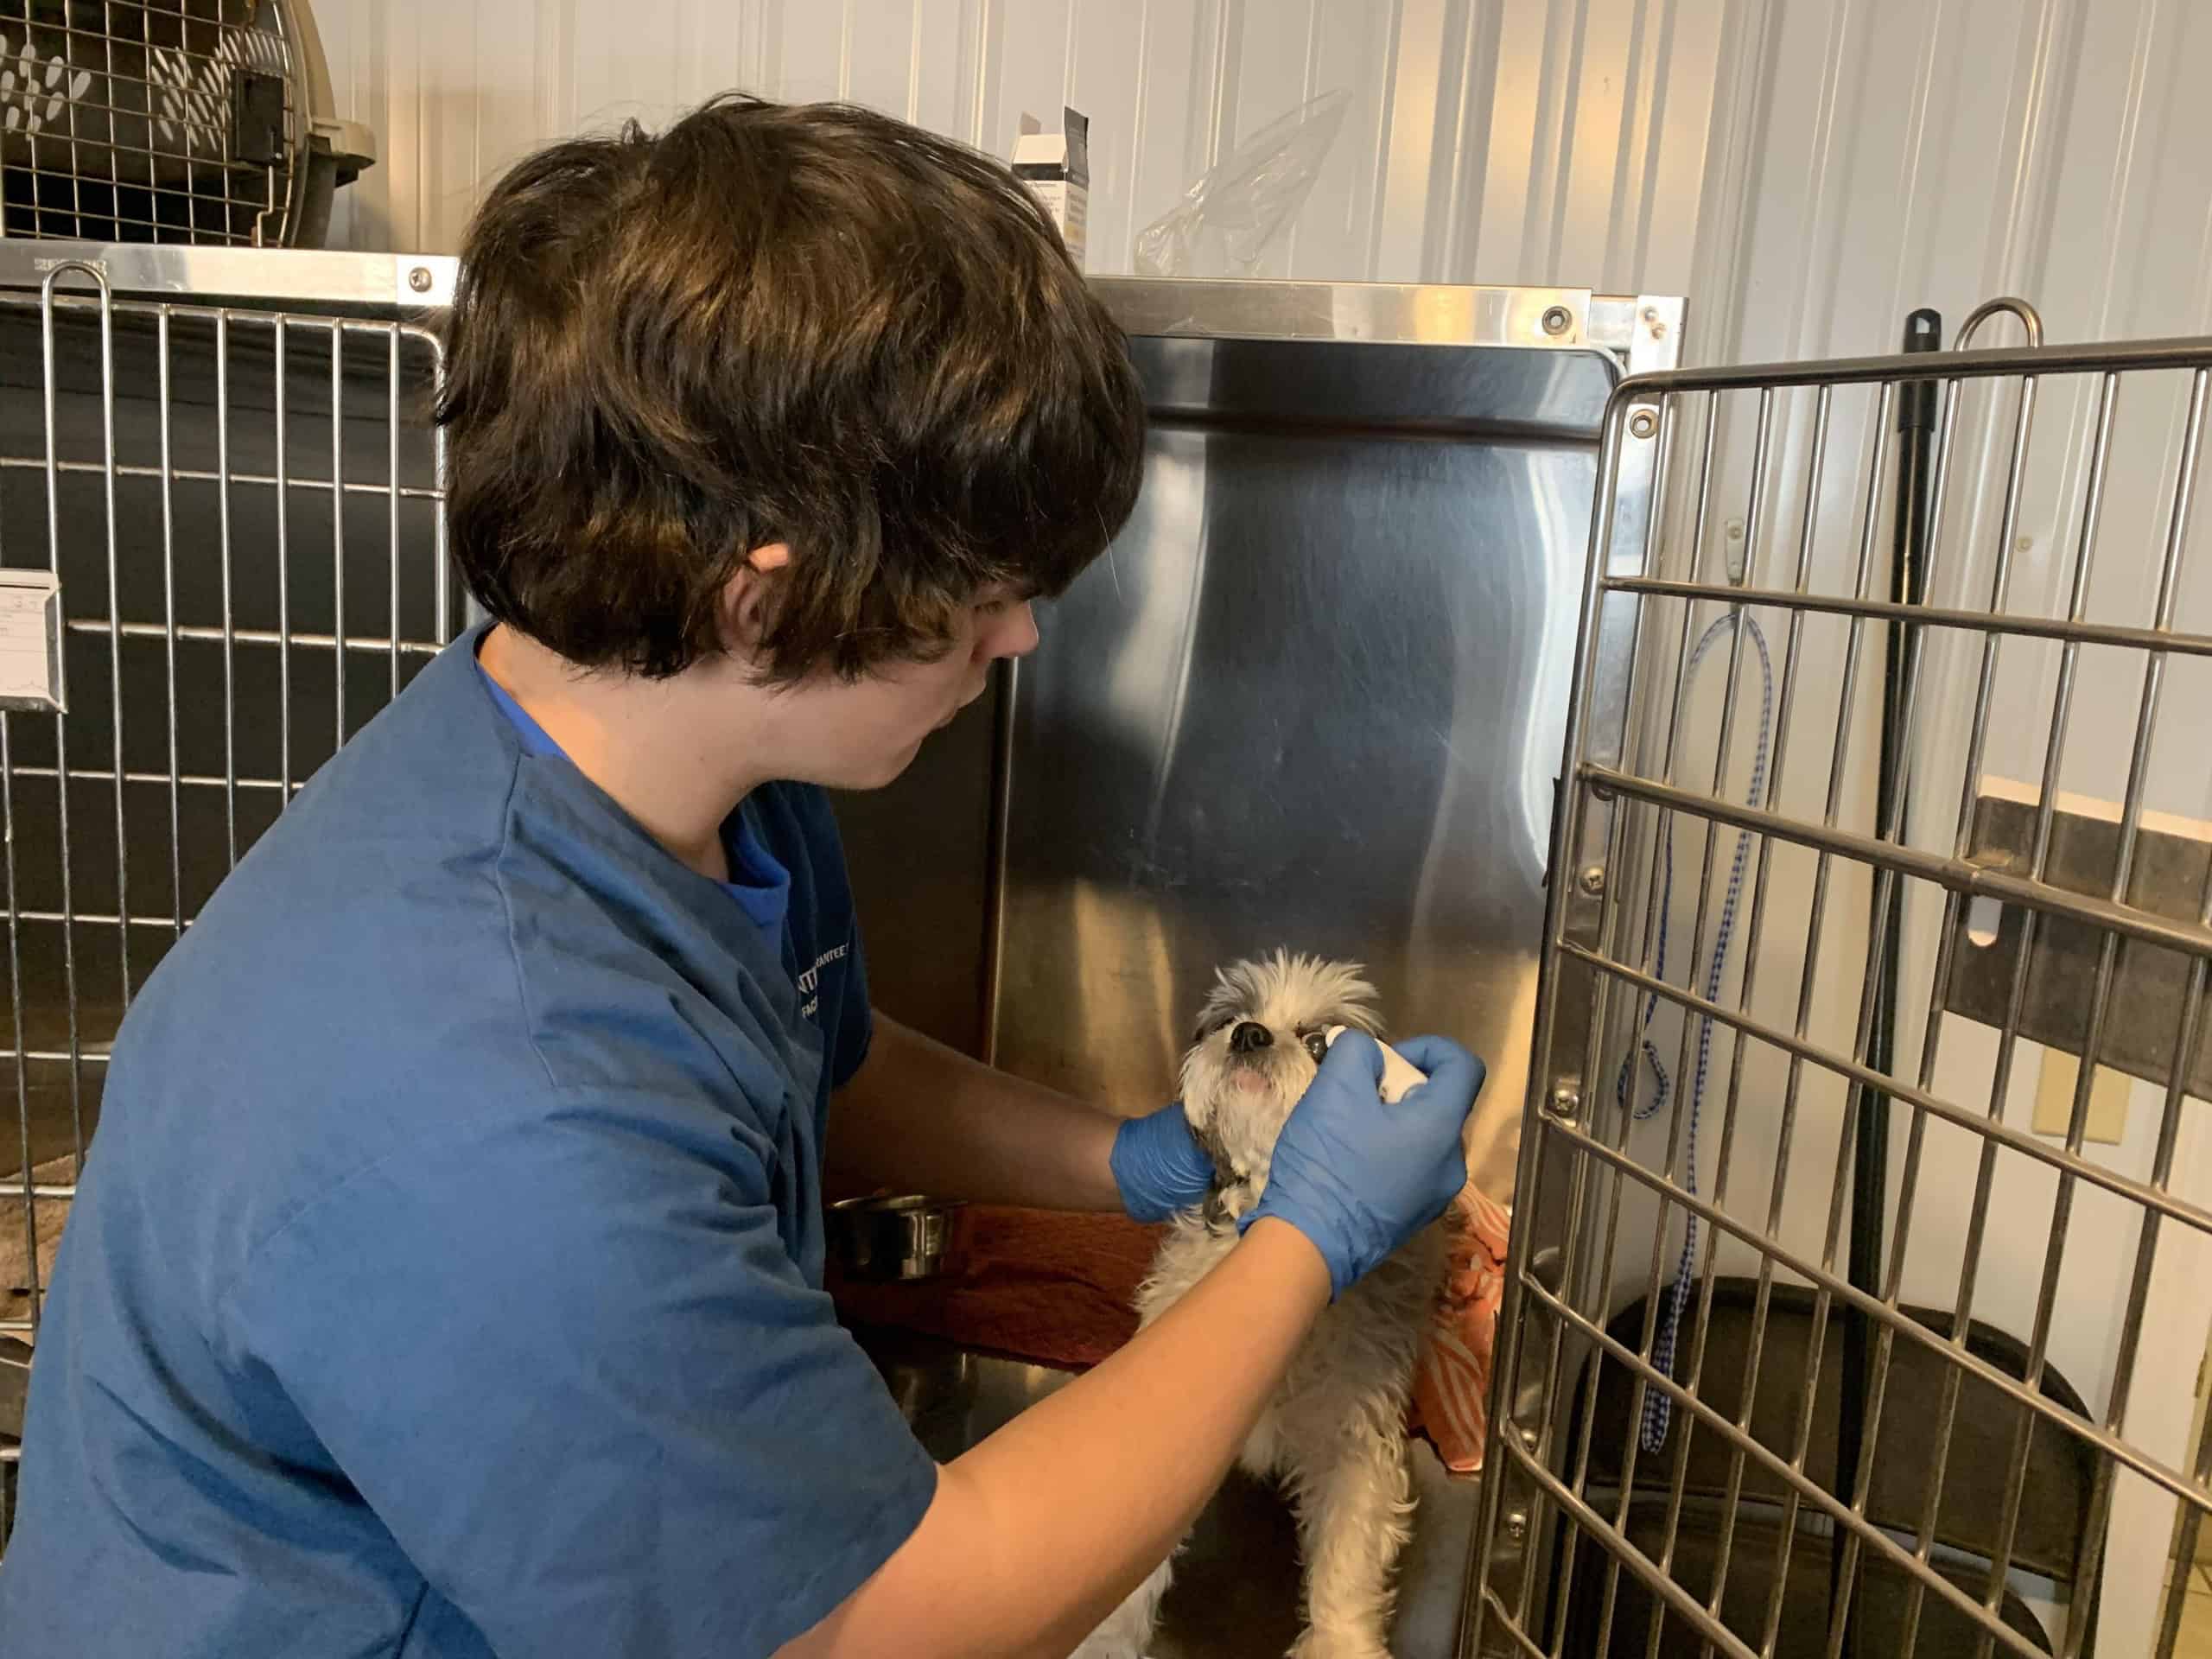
(29, 607)
(1068, 206)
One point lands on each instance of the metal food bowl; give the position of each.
(888, 1239)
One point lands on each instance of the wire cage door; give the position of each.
(1711, 1433)
(235, 519)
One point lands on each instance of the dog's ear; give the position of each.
(1358, 998)
(1225, 1172)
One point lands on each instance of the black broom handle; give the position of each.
(1870, 1166)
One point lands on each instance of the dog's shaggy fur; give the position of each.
(1334, 1433)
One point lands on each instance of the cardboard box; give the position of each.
(1056, 165)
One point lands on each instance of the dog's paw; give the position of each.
(1322, 1645)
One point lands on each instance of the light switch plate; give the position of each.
(2054, 1099)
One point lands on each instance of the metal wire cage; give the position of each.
(1709, 1433)
(153, 120)
(236, 514)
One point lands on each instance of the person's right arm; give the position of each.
(568, 1370)
(1039, 1532)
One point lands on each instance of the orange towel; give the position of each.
(1451, 1384)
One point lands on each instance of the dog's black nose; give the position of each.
(1248, 1035)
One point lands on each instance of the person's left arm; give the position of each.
(922, 1117)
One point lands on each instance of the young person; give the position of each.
(447, 1280)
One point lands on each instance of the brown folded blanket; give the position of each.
(1057, 1290)
(1048, 1288)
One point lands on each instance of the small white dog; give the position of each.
(1335, 1432)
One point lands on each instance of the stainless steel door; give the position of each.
(1313, 696)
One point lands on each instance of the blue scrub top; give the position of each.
(447, 1280)
(760, 884)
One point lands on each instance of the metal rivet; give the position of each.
(1529, 1441)
(1658, 331)
(1643, 423)
(2022, 543)
(1567, 1098)
(419, 279)
(1592, 879)
(1735, 530)
(1651, 313)
(1558, 319)
(1517, 1527)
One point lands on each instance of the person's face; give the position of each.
(867, 732)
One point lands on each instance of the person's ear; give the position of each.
(748, 598)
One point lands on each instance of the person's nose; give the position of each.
(1248, 1035)
(1017, 633)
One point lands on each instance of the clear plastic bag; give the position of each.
(1227, 221)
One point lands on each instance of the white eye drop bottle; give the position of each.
(1399, 1073)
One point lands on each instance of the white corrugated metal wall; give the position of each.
(1805, 172)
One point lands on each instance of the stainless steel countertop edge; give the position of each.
(1643, 332)
(289, 276)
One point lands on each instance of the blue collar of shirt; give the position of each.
(762, 887)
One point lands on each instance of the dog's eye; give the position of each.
(1317, 1045)
(1208, 1027)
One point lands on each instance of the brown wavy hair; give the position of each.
(799, 323)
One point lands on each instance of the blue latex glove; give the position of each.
(1159, 1166)
(1359, 1178)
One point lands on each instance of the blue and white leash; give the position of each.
(1658, 1406)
